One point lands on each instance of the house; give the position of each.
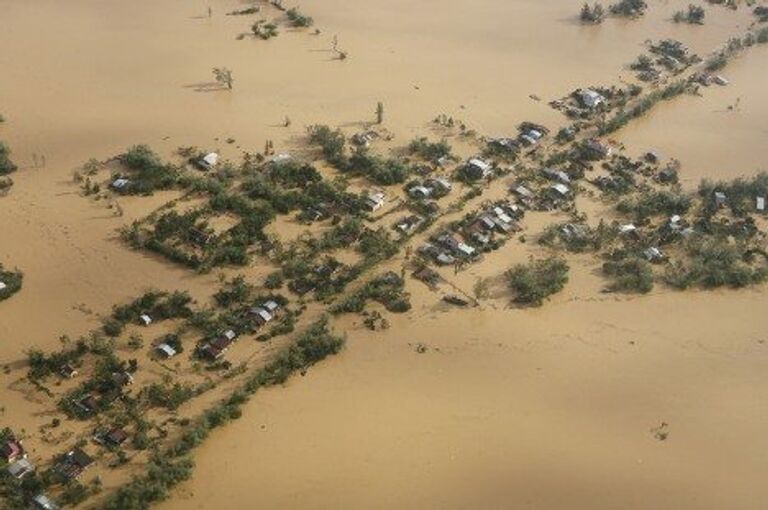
(122, 378)
(208, 161)
(560, 190)
(12, 450)
(444, 259)
(556, 175)
(71, 465)
(165, 351)
(720, 80)
(523, 192)
(43, 502)
(115, 437)
(465, 250)
(409, 224)
(364, 138)
(590, 99)
(375, 201)
(439, 185)
(145, 319)
(120, 183)
(261, 315)
(477, 169)
(505, 144)
(653, 254)
(279, 159)
(67, 371)
(199, 237)
(573, 232)
(420, 192)
(595, 149)
(720, 198)
(20, 468)
(760, 204)
(87, 403)
(3, 285)
(628, 230)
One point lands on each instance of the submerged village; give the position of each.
(343, 225)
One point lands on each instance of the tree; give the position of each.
(379, 112)
(223, 76)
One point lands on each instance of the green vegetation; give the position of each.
(643, 105)
(380, 170)
(6, 165)
(716, 262)
(387, 289)
(264, 30)
(629, 8)
(762, 35)
(147, 172)
(167, 469)
(629, 275)
(594, 14)
(740, 193)
(649, 203)
(430, 151)
(298, 19)
(534, 282)
(244, 12)
(10, 282)
(693, 15)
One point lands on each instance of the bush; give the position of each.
(630, 275)
(12, 280)
(298, 19)
(431, 151)
(713, 263)
(6, 165)
(534, 282)
(629, 8)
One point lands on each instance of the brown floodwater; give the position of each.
(518, 408)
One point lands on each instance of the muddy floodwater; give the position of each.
(507, 409)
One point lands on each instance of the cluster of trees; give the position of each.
(740, 193)
(383, 171)
(693, 15)
(12, 281)
(650, 202)
(430, 151)
(158, 305)
(715, 262)
(147, 172)
(593, 14)
(534, 282)
(264, 30)
(298, 19)
(169, 468)
(629, 8)
(388, 289)
(6, 165)
(629, 274)
(643, 105)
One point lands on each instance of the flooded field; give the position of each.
(507, 408)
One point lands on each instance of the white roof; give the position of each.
(624, 229)
(591, 98)
(466, 248)
(20, 468)
(561, 188)
(271, 305)
(230, 335)
(420, 189)
(759, 204)
(522, 190)
(120, 183)
(479, 163)
(265, 315)
(2, 285)
(281, 158)
(167, 350)
(675, 219)
(211, 159)
(146, 319)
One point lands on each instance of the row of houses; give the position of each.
(433, 187)
(446, 248)
(214, 349)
